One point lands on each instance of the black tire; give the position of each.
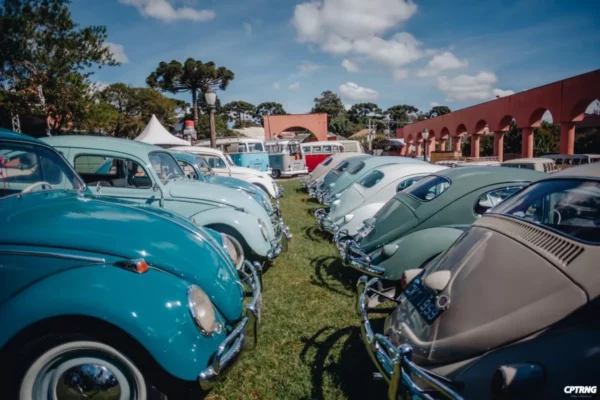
(275, 173)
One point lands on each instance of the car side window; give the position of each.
(188, 170)
(316, 149)
(215, 162)
(113, 172)
(489, 200)
(306, 149)
(407, 182)
(326, 149)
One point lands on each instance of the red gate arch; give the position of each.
(275, 124)
(566, 100)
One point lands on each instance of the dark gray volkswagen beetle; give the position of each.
(510, 311)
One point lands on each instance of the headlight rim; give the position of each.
(263, 229)
(237, 246)
(191, 305)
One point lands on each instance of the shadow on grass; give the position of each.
(341, 354)
(311, 201)
(315, 234)
(331, 272)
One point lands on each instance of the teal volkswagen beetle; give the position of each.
(140, 172)
(424, 219)
(197, 168)
(108, 298)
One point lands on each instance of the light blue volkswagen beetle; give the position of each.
(150, 175)
(108, 299)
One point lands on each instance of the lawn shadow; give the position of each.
(311, 200)
(331, 272)
(315, 234)
(342, 355)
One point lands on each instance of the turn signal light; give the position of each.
(141, 267)
(138, 266)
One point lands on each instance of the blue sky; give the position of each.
(386, 51)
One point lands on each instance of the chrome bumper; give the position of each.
(355, 258)
(294, 172)
(394, 363)
(281, 232)
(231, 348)
(280, 191)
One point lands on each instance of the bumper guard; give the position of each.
(395, 363)
(231, 348)
(356, 258)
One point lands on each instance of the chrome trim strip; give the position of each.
(93, 260)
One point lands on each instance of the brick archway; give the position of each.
(566, 100)
(315, 123)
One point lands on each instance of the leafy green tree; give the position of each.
(191, 76)
(341, 125)
(359, 113)
(328, 103)
(438, 110)
(203, 127)
(268, 108)
(239, 111)
(41, 47)
(203, 107)
(101, 117)
(401, 114)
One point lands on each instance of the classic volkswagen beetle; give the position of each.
(510, 311)
(109, 298)
(140, 172)
(323, 168)
(416, 224)
(197, 168)
(223, 165)
(365, 197)
(326, 182)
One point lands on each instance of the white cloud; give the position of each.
(352, 91)
(347, 107)
(435, 104)
(294, 86)
(308, 66)
(355, 26)
(118, 52)
(441, 62)
(276, 85)
(163, 10)
(349, 65)
(400, 74)
(248, 28)
(471, 87)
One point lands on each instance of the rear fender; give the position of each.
(416, 248)
(150, 307)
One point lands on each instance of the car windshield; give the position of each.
(371, 179)
(203, 166)
(165, 166)
(28, 167)
(570, 207)
(428, 188)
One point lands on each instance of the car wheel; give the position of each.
(275, 173)
(71, 366)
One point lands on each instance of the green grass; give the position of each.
(309, 342)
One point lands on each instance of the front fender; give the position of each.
(240, 225)
(415, 249)
(150, 307)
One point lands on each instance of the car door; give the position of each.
(116, 176)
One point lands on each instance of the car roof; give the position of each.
(535, 160)
(101, 143)
(195, 149)
(411, 168)
(582, 171)
(479, 176)
(381, 160)
(187, 157)
(6, 134)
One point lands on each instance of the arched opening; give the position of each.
(538, 116)
(586, 135)
(505, 123)
(299, 132)
(461, 130)
(442, 144)
(481, 127)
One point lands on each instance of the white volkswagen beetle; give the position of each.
(222, 164)
(322, 169)
(363, 199)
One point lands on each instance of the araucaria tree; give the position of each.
(191, 76)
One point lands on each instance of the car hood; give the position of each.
(117, 230)
(186, 189)
(393, 220)
(248, 171)
(255, 192)
(350, 200)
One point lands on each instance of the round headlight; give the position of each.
(348, 218)
(263, 230)
(234, 249)
(202, 310)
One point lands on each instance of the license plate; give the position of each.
(423, 299)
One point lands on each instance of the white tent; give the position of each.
(155, 133)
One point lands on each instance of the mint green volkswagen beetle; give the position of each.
(143, 173)
(108, 299)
